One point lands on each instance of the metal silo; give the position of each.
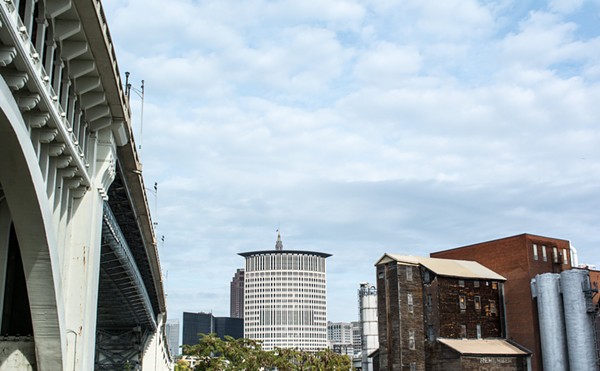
(367, 301)
(575, 284)
(552, 326)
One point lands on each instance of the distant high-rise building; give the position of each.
(339, 335)
(236, 294)
(339, 332)
(285, 298)
(367, 305)
(172, 332)
(205, 323)
(356, 337)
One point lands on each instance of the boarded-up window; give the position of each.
(493, 310)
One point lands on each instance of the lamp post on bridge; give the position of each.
(154, 191)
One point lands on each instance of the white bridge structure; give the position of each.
(80, 279)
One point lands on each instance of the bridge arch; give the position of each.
(25, 195)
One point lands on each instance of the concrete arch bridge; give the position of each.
(80, 279)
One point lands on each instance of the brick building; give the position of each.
(519, 258)
(426, 304)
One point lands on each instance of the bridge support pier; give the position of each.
(82, 258)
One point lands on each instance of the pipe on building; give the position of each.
(574, 257)
(552, 325)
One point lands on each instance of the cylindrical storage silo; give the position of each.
(552, 325)
(579, 324)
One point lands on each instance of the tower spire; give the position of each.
(279, 243)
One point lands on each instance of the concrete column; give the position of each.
(82, 262)
(5, 222)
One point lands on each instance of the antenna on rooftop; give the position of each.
(279, 243)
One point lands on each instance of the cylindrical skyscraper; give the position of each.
(285, 298)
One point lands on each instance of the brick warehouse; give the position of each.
(437, 313)
(519, 258)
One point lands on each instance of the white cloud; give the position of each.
(565, 6)
(387, 63)
(544, 40)
(359, 127)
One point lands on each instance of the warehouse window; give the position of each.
(478, 331)
(477, 300)
(555, 254)
(463, 331)
(476, 283)
(411, 339)
(410, 303)
(544, 255)
(462, 301)
(461, 283)
(493, 309)
(565, 257)
(409, 273)
(535, 252)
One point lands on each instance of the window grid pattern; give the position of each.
(286, 301)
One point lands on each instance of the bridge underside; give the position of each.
(126, 312)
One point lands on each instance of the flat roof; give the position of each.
(445, 267)
(498, 347)
(271, 252)
(517, 236)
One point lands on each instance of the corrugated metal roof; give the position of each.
(483, 346)
(446, 267)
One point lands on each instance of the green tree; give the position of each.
(229, 354)
(182, 365)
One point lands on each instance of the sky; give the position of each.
(358, 128)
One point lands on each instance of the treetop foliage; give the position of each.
(229, 354)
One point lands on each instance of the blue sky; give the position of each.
(360, 127)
